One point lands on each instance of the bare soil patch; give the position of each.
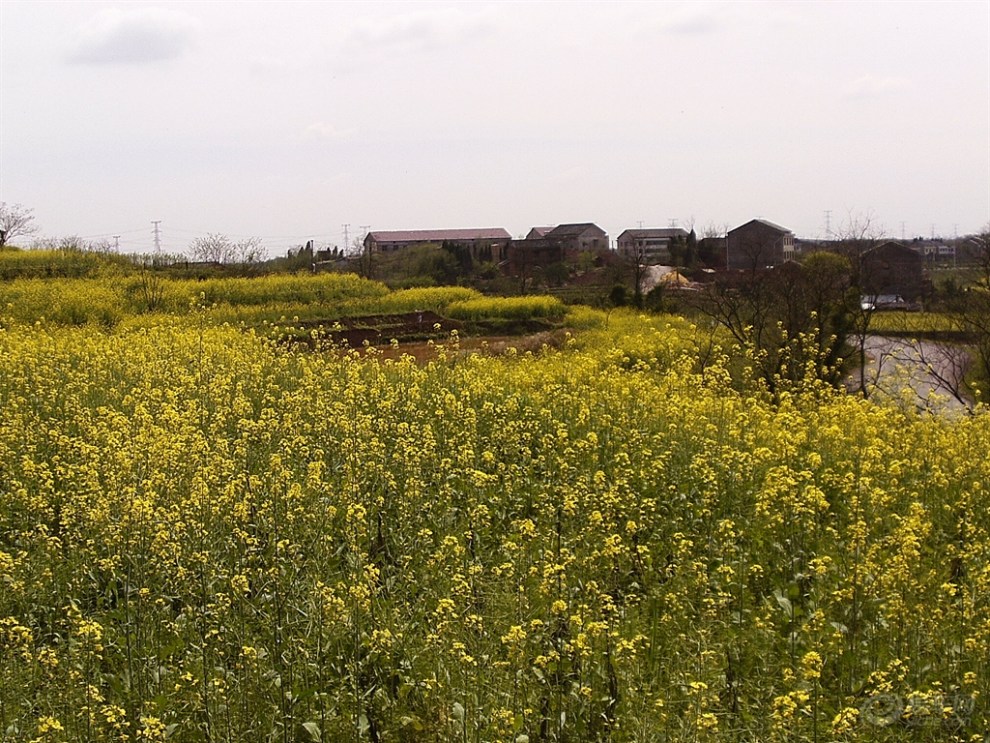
(422, 334)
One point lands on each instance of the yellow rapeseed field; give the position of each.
(206, 537)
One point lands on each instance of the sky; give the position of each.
(287, 121)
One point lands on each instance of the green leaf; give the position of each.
(314, 731)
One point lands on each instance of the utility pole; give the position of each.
(828, 223)
(158, 235)
(903, 233)
(116, 243)
(347, 241)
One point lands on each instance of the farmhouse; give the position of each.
(893, 269)
(651, 246)
(544, 246)
(579, 238)
(758, 244)
(484, 244)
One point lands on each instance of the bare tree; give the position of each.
(361, 250)
(857, 235)
(68, 243)
(218, 248)
(927, 374)
(15, 221)
(635, 264)
(214, 248)
(792, 320)
(248, 251)
(714, 230)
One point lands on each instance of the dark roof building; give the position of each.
(893, 269)
(579, 237)
(387, 240)
(758, 244)
(538, 232)
(561, 243)
(487, 243)
(651, 245)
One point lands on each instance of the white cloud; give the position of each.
(135, 36)
(869, 87)
(421, 30)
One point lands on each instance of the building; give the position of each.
(545, 246)
(758, 244)
(579, 238)
(891, 269)
(538, 233)
(651, 246)
(711, 252)
(484, 244)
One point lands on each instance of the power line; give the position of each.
(111, 234)
(307, 236)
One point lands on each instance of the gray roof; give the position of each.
(398, 236)
(570, 230)
(654, 232)
(766, 223)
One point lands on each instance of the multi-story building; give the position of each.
(758, 244)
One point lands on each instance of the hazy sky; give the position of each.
(287, 120)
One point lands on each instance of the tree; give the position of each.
(214, 248)
(858, 235)
(361, 250)
(15, 221)
(637, 267)
(691, 250)
(792, 320)
(218, 248)
(248, 251)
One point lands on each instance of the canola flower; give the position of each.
(207, 537)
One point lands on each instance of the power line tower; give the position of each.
(347, 241)
(158, 235)
(828, 223)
